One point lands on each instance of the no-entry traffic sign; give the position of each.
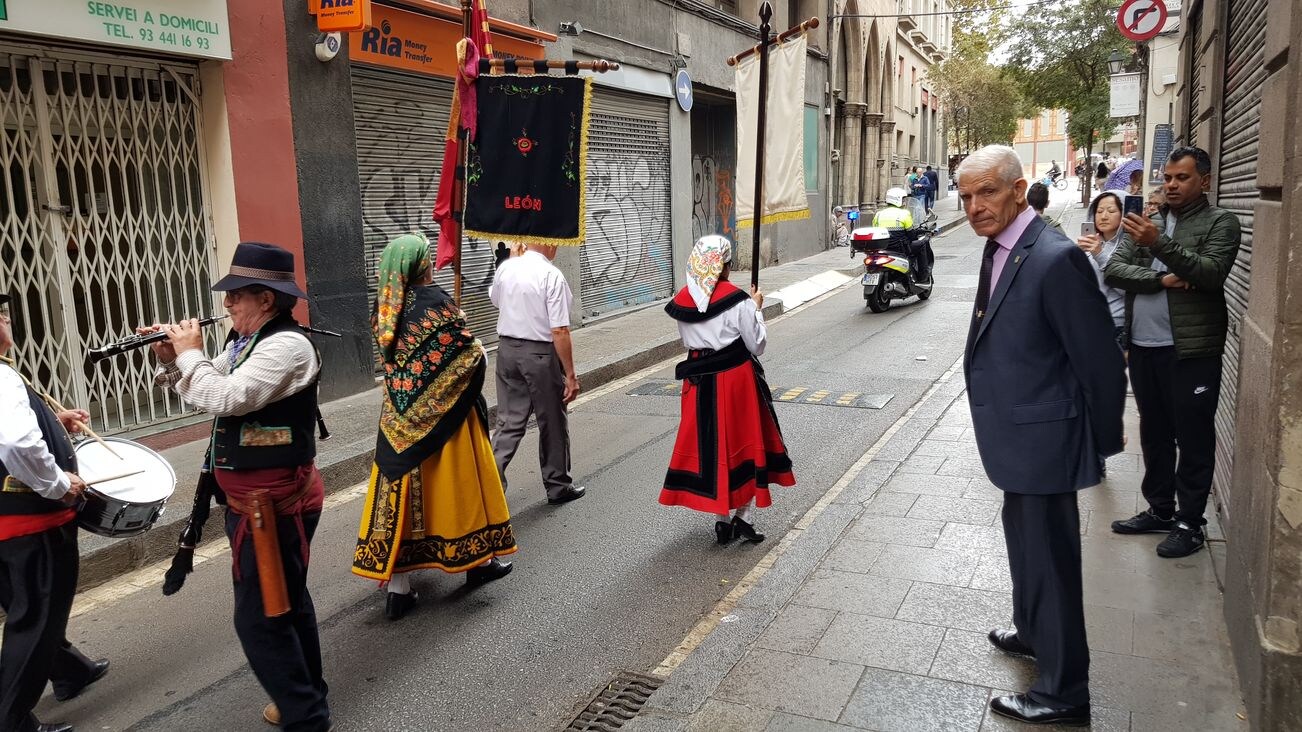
(1140, 20)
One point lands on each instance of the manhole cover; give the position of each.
(616, 703)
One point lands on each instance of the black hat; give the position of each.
(256, 263)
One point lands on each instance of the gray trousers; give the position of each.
(530, 381)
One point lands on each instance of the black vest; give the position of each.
(29, 502)
(280, 435)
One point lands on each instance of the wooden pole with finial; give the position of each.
(766, 14)
(463, 156)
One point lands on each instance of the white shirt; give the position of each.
(532, 298)
(281, 365)
(744, 321)
(22, 447)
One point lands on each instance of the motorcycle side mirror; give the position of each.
(931, 218)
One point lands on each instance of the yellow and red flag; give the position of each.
(461, 131)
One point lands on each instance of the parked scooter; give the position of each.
(898, 261)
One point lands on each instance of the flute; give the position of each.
(136, 341)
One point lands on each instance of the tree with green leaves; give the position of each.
(1059, 56)
(982, 104)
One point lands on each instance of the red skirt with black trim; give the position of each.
(729, 447)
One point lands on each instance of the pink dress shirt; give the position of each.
(1007, 240)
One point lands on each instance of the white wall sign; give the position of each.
(1124, 101)
(185, 27)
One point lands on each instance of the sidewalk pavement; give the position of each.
(872, 613)
(874, 616)
(605, 350)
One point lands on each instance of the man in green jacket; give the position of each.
(1174, 268)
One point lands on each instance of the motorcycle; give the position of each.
(898, 263)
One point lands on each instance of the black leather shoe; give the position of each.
(65, 691)
(567, 494)
(1024, 709)
(1008, 642)
(398, 604)
(722, 532)
(1144, 522)
(488, 571)
(746, 531)
(54, 727)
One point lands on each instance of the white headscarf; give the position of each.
(709, 255)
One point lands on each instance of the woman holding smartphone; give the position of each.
(1100, 237)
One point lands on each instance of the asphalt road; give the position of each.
(608, 583)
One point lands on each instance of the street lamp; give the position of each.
(1115, 61)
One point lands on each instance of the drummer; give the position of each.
(262, 389)
(38, 548)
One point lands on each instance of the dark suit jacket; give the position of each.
(1046, 381)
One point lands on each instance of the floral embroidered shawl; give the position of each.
(433, 377)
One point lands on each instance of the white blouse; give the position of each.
(744, 321)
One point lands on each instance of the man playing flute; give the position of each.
(262, 390)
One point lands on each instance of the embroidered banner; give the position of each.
(527, 168)
(784, 151)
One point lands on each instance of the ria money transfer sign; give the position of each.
(184, 27)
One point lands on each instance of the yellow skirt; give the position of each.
(450, 513)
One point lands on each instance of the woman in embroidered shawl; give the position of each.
(729, 447)
(435, 499)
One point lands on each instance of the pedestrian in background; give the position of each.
(729, 446)
(1037, 195)
(840, 228)
(1105, 214)
(933, 185)
(1174, 267)
(1156, 200)
(535, 365)
(1046, 388)
(435, 499)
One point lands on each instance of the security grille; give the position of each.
(103, 221)
(628, 256)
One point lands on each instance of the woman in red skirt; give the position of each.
(729, 448)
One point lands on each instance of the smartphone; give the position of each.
(1087, 229)
(1133, 205)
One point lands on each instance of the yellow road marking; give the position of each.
(848, 398)
(818, 396)
(790, 394)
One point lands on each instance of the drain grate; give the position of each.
(616, 703)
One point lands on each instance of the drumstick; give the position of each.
(97, 481)
(85, 427)
(55, 405)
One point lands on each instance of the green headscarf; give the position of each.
(404, 260)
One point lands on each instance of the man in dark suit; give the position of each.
(1046, 386)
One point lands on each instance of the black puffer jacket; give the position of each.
(1201, 251)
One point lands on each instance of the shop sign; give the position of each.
(185, 27)
(342, 16)
(1124, 98)
(421, 43)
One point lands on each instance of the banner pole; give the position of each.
(463, 155)
(766, 14)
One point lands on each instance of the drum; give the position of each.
(125, 492)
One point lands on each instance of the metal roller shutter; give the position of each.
(628, 256)
(1236, 190)
(1195, 88)
(400, 122)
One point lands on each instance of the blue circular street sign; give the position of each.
(683, 90)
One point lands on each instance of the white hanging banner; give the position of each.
(784, 150)
(1124, 101)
